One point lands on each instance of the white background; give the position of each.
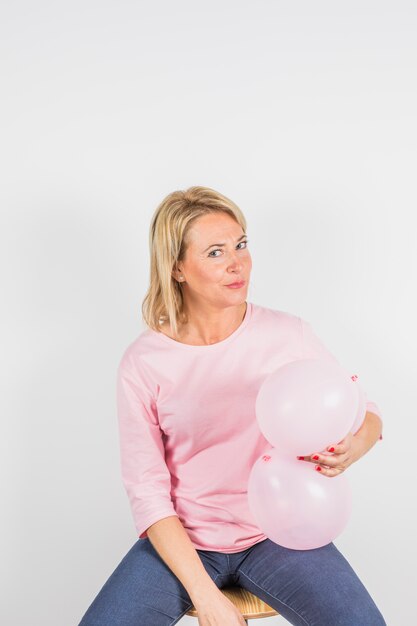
(304, 113)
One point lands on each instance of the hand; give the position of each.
(337, 458)
(217, 610)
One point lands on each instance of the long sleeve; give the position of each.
(145, 475)
(313, 348)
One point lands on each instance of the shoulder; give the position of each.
(287, 321)
(275, 330)
(134, 357)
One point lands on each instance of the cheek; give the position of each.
(211, 273)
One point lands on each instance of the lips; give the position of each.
(236, 284)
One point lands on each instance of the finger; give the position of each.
(327, 471)
(323, 459)
(309, 458)
(337, 448)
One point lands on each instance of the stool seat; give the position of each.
(246, 602)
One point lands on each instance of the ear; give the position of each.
(176, 274)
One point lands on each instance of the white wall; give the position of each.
(304, 113)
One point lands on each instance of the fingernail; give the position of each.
(318, 468)
(331, 449)
(300, 458)
(316, 458)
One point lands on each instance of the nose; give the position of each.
(235, 263)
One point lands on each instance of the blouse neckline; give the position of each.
(211, 346)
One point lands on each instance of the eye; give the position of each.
(219, 250)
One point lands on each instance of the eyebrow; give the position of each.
(222, 244)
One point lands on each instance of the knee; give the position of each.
(369, 616)
(356, 610)
(376, 618)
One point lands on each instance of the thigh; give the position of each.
(308, 587)
(141, 590)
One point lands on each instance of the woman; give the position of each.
(186, 390)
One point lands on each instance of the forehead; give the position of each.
(214, 225)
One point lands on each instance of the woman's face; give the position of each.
(208, 268)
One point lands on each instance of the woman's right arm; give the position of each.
(170, 539)
(148, 484)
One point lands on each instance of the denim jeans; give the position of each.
(315, 587)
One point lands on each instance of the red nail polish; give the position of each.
(318, 468)
(316, 458)
(331, 449)
(301, 458)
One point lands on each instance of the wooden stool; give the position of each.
(248, 604)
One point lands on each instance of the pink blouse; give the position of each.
(188, 430)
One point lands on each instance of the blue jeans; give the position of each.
(315, 587)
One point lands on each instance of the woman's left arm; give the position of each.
(368, 434)
(353, 446)
(350, 449)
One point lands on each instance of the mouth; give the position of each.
(236, 285)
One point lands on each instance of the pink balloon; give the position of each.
(306, 405)
(361, 411)
(294, 505)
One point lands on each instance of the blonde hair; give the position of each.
(168, 242)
